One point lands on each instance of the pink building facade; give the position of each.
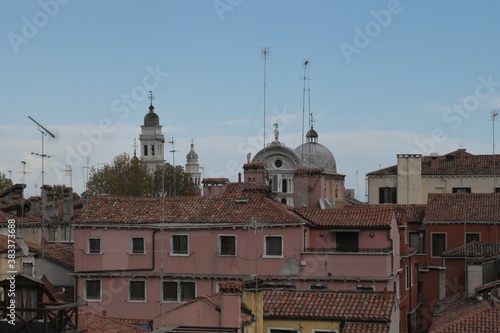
(137, 258)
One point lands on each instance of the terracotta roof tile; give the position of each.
(99, 324)
(365, 328)
(360, 217)
(471, 207)
(467, 315)
(227, 208)
(328, 305)
(458, 162)
(475, 249)
(414, 213)
(60, 252)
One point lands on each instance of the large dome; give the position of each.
(151, 118)
(316, 155)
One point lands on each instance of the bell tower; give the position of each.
(152, 139)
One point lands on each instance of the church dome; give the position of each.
(151, 118)
(315, 155)
(192, 154)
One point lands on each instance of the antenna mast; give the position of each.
(265, 54)
(44, 132)
(494, 115)
(303, 112)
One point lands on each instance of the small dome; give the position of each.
(311, 134)
(151, 118)
(192, 154)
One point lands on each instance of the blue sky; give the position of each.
(385, 77)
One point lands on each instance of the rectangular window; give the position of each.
(177, 291)
(472, 237)
(94, 246)
(227, 245)
(273, 246)
(461, 190)
(438, 244)
(274, 183)
(318, 287)
(92, 290)
(138, 245)
(347, 241)
(27, 268)
(387, 195)
(180, 245)
(365, 288)
(137, 291)
(417, 241)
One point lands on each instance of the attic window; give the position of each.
(242, 200)
(450, 158)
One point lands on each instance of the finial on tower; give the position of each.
(151, 97)
(276, 132)
(135, 147)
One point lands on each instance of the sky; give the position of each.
(383, 78)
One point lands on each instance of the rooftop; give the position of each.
(470, 207)
(361, 217)
(457, 162)
(226, 208)
(332, 305)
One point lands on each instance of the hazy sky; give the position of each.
(385, 77)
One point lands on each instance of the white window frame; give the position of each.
(265, 255)
(445, 243)
(282, 329)
(132, 245)
(172, 246)
(99, 299)
(88, 245)
(179, 288)
(145, 291)
(220, 244)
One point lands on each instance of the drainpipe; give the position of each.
(130, 269)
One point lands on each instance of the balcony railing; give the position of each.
(358, 250)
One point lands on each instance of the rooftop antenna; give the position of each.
(24, 170)
(172, 142)
(86, 177)
(265, 54)
(68, 171)
(44, 132)
(494, 115)
(303, 110)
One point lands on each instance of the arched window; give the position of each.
(336, 191)
(145, 150)
(152, 150)
(284, 185)
(283, 200)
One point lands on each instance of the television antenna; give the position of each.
(172, 142)
(265, 54)
(44, 133)
(68, 171)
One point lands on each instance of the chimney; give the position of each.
(67, 204)
(239, 177)
(386, 294)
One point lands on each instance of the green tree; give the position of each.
(127, 176)
(4, 181)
